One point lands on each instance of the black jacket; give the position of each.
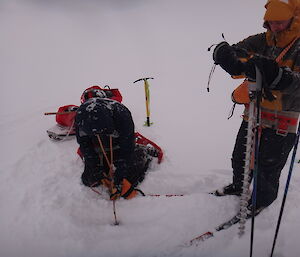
(106, 117)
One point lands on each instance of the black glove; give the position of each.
(225, 55)
(269, 69)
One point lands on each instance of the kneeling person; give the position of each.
(104, 126)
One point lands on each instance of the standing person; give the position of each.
(102, 118)
(276, 53)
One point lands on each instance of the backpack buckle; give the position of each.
(281, 132)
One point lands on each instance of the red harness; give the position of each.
(283, 122)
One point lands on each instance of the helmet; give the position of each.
(94, 91)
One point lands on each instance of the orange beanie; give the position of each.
(279, 10)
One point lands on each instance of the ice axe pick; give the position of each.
(147, 97)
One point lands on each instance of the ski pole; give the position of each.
(286, 188)
(147, 97)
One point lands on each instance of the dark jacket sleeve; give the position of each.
(255, 44)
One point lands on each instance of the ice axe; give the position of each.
(147, 97)
(58, 113)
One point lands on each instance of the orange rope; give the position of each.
(284, 51)
(103, 151)
(110, 165)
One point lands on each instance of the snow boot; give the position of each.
(228, 190)
(257, 210)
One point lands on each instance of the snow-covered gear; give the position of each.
(64, 129)
(97, 91)
(152, 149)
(94, 91)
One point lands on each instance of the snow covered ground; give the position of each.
(50, 52)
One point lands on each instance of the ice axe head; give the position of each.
(144, 79)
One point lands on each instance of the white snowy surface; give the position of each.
(50, 52)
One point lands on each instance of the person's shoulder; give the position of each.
(260, 37)
(253, 43)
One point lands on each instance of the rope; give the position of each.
(110, 165)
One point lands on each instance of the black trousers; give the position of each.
(273, 153)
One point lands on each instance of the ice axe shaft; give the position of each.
(147, 97)
(59, 113)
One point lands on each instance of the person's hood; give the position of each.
(277, 10)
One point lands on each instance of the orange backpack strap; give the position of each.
(284, 51)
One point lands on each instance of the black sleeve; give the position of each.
(253, 44)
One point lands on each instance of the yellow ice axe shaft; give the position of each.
(147, 98)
